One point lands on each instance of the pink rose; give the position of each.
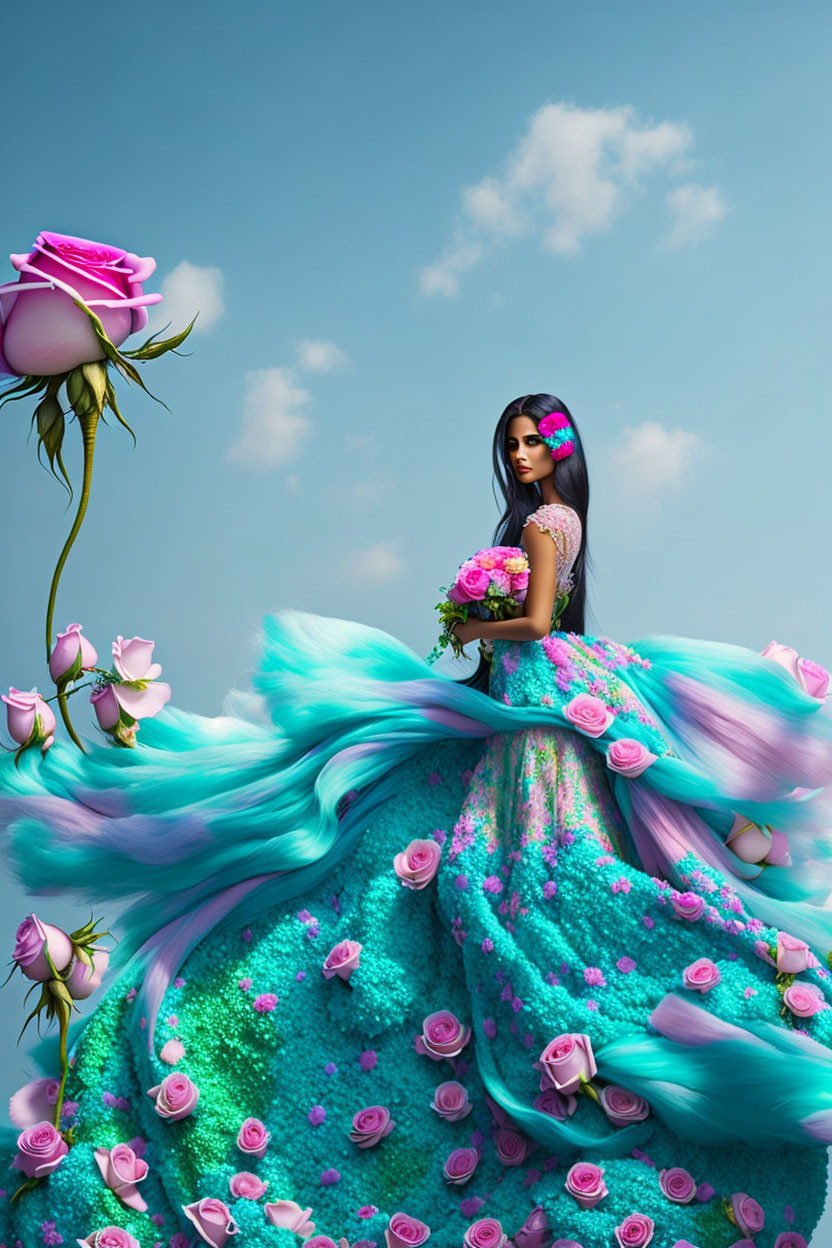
(71, 655)
(629, 757)
(754, 844)
(551, 423)
(342, 960)
(27, 715)
(41, 1149)
(289, 1216)
(487, 1233)
(585, 1181)
(792, 954)
(701, 976)
(592, 716)
(132, 660)
(512, 1146)
(635, 1231)
(213, 1221)
(762, 951)
(566, 1062)
(253, 1138)
(804, 1000)
(371, 1125)
(42, 332)
(121, 1170)
(790, 1239)
(749, 1216)
(460, 1165)
(417, 865)
(450, 1100)
(473, 582)
(689, 906)
(83, 980)
(33, 1103)
(443, 1035)
(551, 1102)
(622, 1106)
(176, 1097)
(535, 1231)
(403, 1231)
(813, 678)
(247, 1186)
(109, 1237)
(678, 1185)
(323, 1241)
(34, 941)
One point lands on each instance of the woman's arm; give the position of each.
(536, 620)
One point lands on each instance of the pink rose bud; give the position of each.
(83, 980)
(511, 1145)
(33, 1103)
(289, 1216)
(701, 976)
(253, 1138)
(792, 954)
(589, 714)
(629, 757)
(585, 1181)
(635, 1231)
(487, 1233)
(450, 1100)
(535, 1231)
(213, 1221)
(342, 960)
(551, 1102)
(813, 678)
(460, 1165)
(403, 1231)
(41, 1149)
(443, 1035)
(34, 941)
(678, 1185)
(247, 1186)
(804, 1000)
(371, 1125)
(565, 1062)
(176, 1097)
(784, 655)
(27, 715)
(71, 655)
(109, 1237)
(121, 1170)
(790, 1239)
(417, 865)
(749, 1216)
(622, 1106)
(748, 840)
(689, 906)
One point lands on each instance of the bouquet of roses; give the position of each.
(491, 585)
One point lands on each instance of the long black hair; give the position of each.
(520, 498)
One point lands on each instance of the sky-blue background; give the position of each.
(303, 173)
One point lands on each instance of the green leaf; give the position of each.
(151, 350)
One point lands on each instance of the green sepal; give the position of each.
(110, 401)
(72, 673)
(151, 350)
(25, 387)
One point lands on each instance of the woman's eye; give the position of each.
(533, 441)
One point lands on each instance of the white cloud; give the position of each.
(374, 565)
(273, 423)
(569, 176)
(648, 458)
(696, 210)
(318, 356)
(188, 289)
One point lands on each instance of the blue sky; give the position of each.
(395, 219)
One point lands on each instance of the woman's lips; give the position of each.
(520, 468)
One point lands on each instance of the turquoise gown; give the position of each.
(569, 897)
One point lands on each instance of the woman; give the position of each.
(589, 1005)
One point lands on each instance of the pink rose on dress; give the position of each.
(749, 1216)
(371, 1125)
(792, 954)
(27, 712)
(535, 1231)
(109, 1237)
(511, 1145)
(689, 906)
(450, 1100)
(342, 960)
(629, 757)
(589, 714)
(290, 1216)
(40, 1150)
(701, 976)
(443, 1035)
(804, 1000)
(585, 1181)
(176, 1097)
(212, 1219)
(551, 1102)
(622, 1106)
(403, 1231)
(566, 1062)
(253, 1138)
(247, 1186)
(84, 980)
(635, 1231)
(460, 1165)
(487, 1233)
(678, 1185)
(417, 865)
(790, 1239)
(34, 941)
(71, 655)
(121, 1170)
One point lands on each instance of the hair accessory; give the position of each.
(558, 434)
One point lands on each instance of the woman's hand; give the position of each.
(465, 632)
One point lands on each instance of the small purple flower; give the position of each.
(330, 1176)
(330, 1069)
(488, 945)
(244, 984)
(492, 884)
(179, 982)
(265, 1003)
(245, 934)
(317, 1115)
(625, 965)
(461, 882)
(301, 976)
(550, 888)
(368, 1059)
(594, 976)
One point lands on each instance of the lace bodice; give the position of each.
(564, 524)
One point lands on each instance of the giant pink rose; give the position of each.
(589, 714)
(629, 757)
(24, 708)
(565, 1062)
(418, 863)
(212, 1219)
(33, 941)
(42, 332)
(121, 1170)
(443, 1035)
(41, 1149)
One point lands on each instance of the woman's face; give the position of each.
(529, 456)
